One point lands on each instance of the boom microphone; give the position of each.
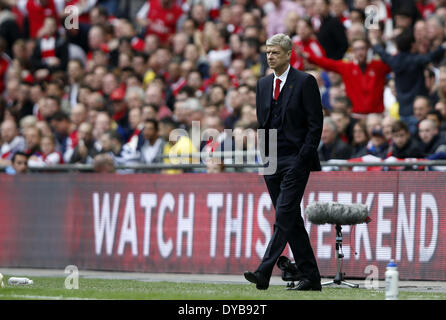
(337, 213)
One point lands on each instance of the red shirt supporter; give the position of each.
(364, 86)
(4, 64)
(310, 46)
(38, 10)
(162, 16)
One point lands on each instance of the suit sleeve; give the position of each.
(258, 105)
(313, 111)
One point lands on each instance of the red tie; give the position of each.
(277, 89)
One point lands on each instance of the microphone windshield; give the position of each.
(337, 213)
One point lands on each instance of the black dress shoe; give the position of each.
(259, 279)
(307, 285)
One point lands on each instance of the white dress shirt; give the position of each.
(282, 78)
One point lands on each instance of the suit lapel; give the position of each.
(287, 90)
(269, 93)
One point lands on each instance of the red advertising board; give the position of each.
(216, 223)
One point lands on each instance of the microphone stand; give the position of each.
(339, 278)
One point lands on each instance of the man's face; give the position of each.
(106, 142)
(360, 51)
(340, 121)
(277, 57)
(427, 130)
(303, 30)
(149, 131)
(32, 137)
(328, 134)
(20, 164)
(400, 138)
(85, 132)
(78, 114)
(8, 131)
(420, 109)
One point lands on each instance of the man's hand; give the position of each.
(82, 148)
(53, 61)
(374, 37)
(301, 53)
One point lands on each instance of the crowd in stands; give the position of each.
(107, 82)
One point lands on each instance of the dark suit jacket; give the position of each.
(302, 118)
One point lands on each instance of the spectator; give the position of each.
(120, 113)
(154, 95)
(9, 28)
(37, 11)
(276, 17)
(75, 73)
(344, 125)
(216, 139)
(11, 141)
(431, 141)
(360, 139)
(364, 80)
(61, 124)
(439, 121)
(332, 147)
(305, 41)
(32, 138)
(111, 143)
(102, 123)
(5, 61)
(403, 145)
(51, 51)
(178, 148)
(86, 150)
(377, 144)
(214, 165)
(103, 163)
(421, 107)
(387, 124)
(219, 50)
(373, 120)
(147, 147)
(19, 164)
(431, 85)
(409, 71)
(159, 17)
(48, 156)
(330, 31)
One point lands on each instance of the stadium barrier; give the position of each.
(215, 223)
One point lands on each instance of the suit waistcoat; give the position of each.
(284, 146)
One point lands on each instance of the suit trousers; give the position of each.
(286, 188)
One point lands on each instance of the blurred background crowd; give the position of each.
(108, 88)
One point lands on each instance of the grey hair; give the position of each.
(193, 104)
(329, 121)
(281, 40)
(135, 89)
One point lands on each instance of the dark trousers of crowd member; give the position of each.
(286, 188)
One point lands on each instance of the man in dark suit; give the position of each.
(289, 101)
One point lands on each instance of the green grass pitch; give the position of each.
(47, 288)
